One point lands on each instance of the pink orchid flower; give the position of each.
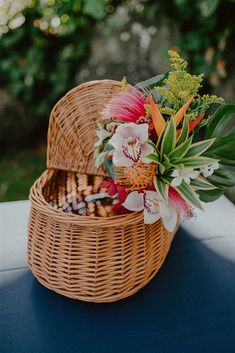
(154, 208)
(181, 205)
(127, 106)
(129, 142)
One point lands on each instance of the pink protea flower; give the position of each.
(180, 203)
(127, 106)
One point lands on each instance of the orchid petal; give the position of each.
(170, 222)
(134, 201)
(117, 139)
(164, 209)
(146, 150)
(120, 160)
(150, 218)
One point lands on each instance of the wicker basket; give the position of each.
(88, 258)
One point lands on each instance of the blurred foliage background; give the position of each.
(48, 46)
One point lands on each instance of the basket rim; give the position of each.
(60, 101)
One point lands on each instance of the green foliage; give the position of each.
(179, 87)
(39, 60)
(184, 156)
(219, 127)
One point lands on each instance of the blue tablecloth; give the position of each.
(189, 307)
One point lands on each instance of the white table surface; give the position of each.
(217, 220)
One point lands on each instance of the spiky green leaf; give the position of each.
(169, 138)
(194, 162)
(189, 195)
(200, 147)
(202, 184)
(153, 157)
(162, 188)
(184, 132)
(181, 150)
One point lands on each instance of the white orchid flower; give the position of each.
(183, 175)
(209, 170)
(154, 208)
(130, 144)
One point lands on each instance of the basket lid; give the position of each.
(73, 126)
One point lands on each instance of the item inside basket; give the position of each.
(79, 194)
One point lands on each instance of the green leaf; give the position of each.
(223, 177)
(149, 142)
(153, 157)
(156, 80)
(189, 195)
(161, 168)
(162, 188)
(169, 138)
(199, 147)
(194, 162)
(184, 132)
(210, 195)
(181, 150)
(202, 184)
(100, 158)
(220, 121)
(223, 149)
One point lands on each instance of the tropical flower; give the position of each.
(154, 208)
(209, 170)
(183, 175)
(127, 106)
(182, 206)
(130, 145)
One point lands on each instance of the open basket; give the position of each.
(97, 259)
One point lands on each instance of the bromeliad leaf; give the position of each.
(169, 138)
(194, 162)
(184, 132)
(153, 157)
(189, 195)
(149, 142)
(181, 150)
(201, 184)
(162, 188)
(199, 147)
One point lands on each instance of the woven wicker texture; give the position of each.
(87, 257)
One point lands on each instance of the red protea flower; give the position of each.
(127, 106)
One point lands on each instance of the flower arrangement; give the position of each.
(160, 160)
